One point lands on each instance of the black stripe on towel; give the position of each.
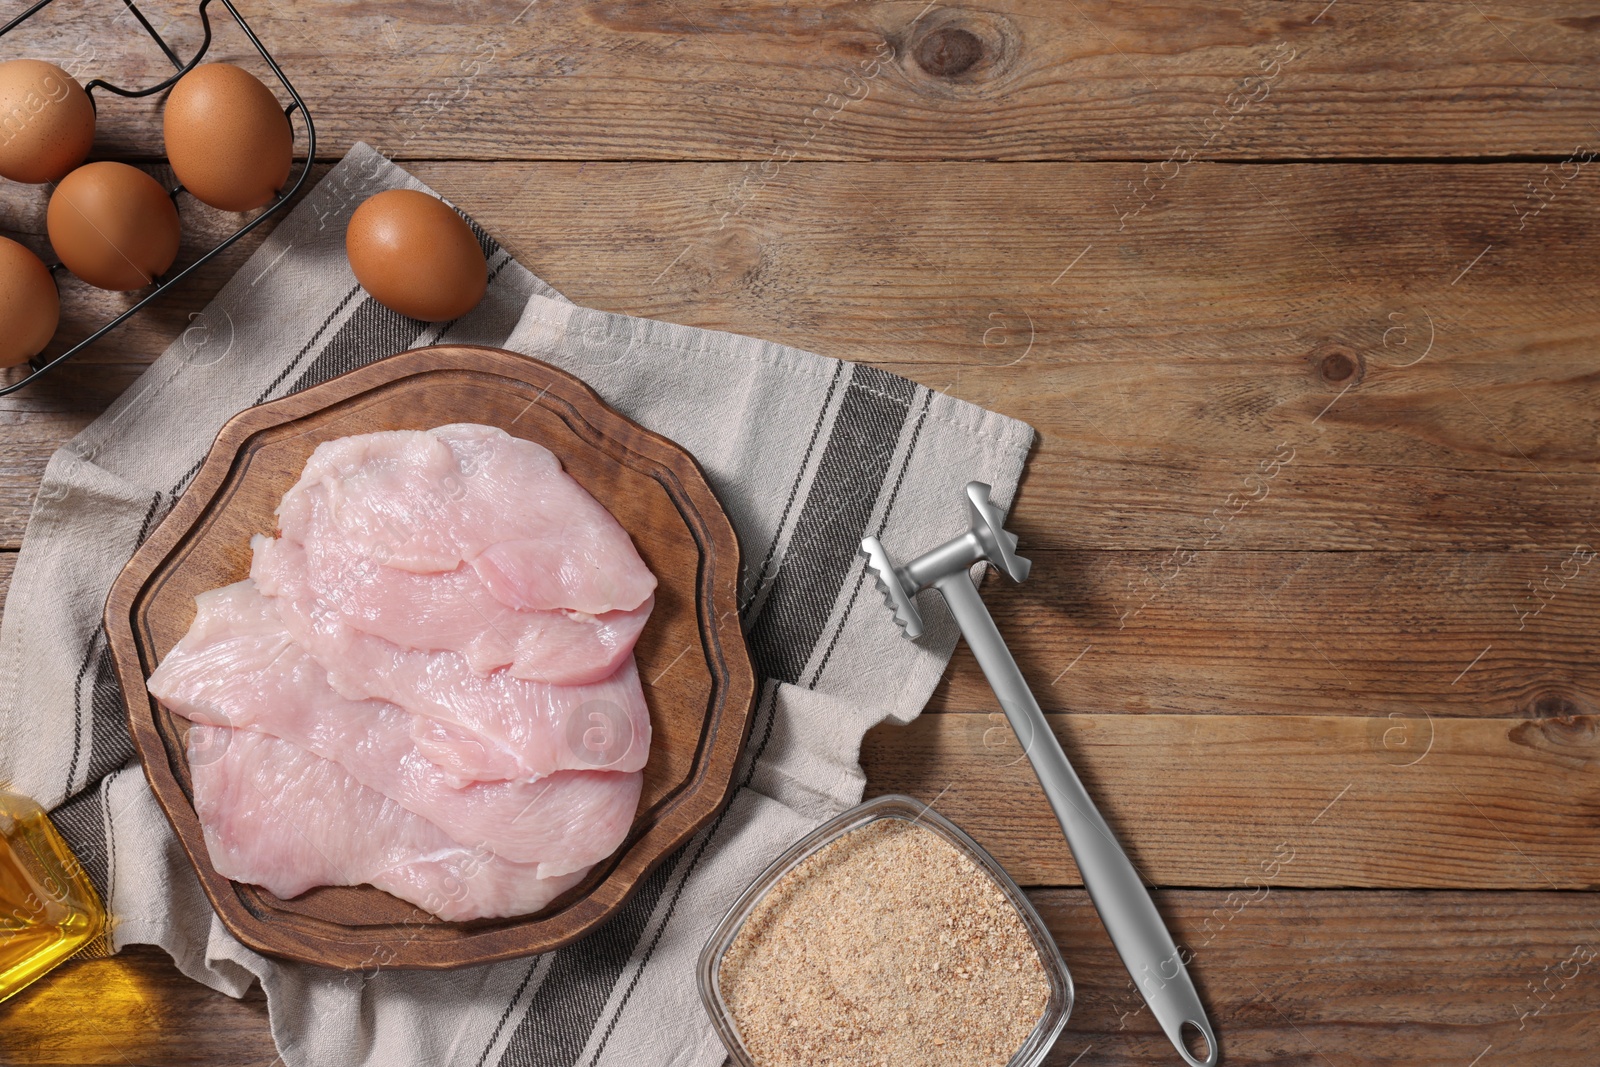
(82, 822)
(488, 244)
(828, 535)
(577, 1012)
(850, 476)
(883, 524)
(753, 756)
(288, 369)
(568, 1003)
(110, 745)
(97, 729)
(760, 576)
(370, 333)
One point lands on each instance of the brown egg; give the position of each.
(415, 255)
(46, 121)
(113, 226)
(227, 138)
(29, 304)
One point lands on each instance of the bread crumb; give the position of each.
(866, 953)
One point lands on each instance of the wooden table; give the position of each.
(1302, 300)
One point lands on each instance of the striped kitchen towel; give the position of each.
(807, 454)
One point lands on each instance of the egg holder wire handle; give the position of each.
(182, 68)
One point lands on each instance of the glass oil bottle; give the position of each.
(48, 909)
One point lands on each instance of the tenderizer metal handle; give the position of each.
(1120, 896)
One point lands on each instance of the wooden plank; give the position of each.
(1167, 369)
(1291, 977)
(1019, 79)
(1165, 364)
(133, 1009)
(1503, 635)
(1309, 979)
(1312, 800)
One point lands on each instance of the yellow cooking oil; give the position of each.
(48, 909)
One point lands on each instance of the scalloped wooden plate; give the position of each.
(698, 680)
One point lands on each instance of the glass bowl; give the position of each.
(1057, 1007)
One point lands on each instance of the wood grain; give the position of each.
(1293, 800)
(1018, 79)
(1308, 979)
(1179, 353)
(145, 1012)
(700, 705)
(1162, 370)
(1478, 634)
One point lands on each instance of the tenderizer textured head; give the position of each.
(895, 593)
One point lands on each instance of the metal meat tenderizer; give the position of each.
(1125, 907)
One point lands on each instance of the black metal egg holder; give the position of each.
(162, 284)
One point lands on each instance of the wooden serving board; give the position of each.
(698, 680)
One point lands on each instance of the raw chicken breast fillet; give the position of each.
(238, 667)
(451, 610)
(477, 726)
(276, 816)
(429, 501)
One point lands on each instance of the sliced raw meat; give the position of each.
(238, 667)
(449, 611)
(429, 501)
(276, 816)
(477, 726)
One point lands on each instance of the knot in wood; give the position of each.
(1556, 719)
(948, 52)
(1554, 706)
(1337, 364)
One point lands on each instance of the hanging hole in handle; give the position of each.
(1198, 1046)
